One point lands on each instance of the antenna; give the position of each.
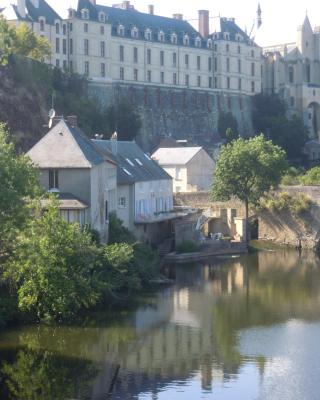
(51, 115)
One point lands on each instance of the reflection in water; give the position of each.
(232, 328)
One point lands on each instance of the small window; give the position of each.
(174, 38)
(53, 179)
(103, 49)
(121, 30)
(85, 27)
(199, 81)
(57, 28)
(121, 53)
(122, 202)
(162, 58)
(148, 34)
(161, 36)
(136, 75)
(129, 162)
(42, 25)
(102, 30)
(86, 68)
(149, 76)
(126, 171)
(162, 77)
(138, 162)
(64, 29)
(122, 73)
(103, 70)
(186, 40)
(198, 42)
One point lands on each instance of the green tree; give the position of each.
(18, 185)
(311, 177)
(227, 126)
(124, 119)
(7, 36)
(53, 267)
(247, 169)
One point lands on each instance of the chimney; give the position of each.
(151, 9)
(126, 5)
(22, 8)
(72, 120)
(114, 143)
(178, 16)
(204, 23)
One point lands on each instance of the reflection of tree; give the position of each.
(36, 375)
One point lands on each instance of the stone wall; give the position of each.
(184, 113)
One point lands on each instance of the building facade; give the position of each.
(292, 71)
(191, 168)
(121, 44)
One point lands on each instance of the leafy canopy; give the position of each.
(247, 169)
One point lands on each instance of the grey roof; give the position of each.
(228, 25)
(132, 18)
(175, 155)
(129, 157)
(67, 201)
(66, 146)
(34, 13)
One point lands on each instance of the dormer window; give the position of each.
(85, 13)
(121, 30)
(102, 17)
(148, 34)
(134, 32)
(161, 36)
(198, 42)
(239, 38)
(227, 36)
(209, 43)
(174, 38)
(186, 40)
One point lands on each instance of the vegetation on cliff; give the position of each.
(296, 176)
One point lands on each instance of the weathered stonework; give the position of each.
(182, 113)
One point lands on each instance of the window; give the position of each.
(215, 82)
(102, 30)
(198, 42)
(138, 162)
(86, 47)
(121, 30)
(215, 47)
(291, 74)
(186, 40)
(174, 38)
(198, 63)
(209, 44)
(121, 53)
(57, 28)
(187, 80)
(228, 83)
(210, 82)
(134, 33)
(308, 73)
(228, 64)
(227, 48)
(253, 88)
(162, 58)
(64, 46)
(174, 59)
(85, 13)
(102, 17)
(57, 45)
(161, 36)
(253, 69)
(239, 84)
(86, 68)
(103, 70)
(149, 56)
(239, 49)
(122, 73)
(149, 77)
(135, 54)
(209, 64)
(64, 65)
(122, 202)
(174, 80)
(135, 75)
(64, 29)
(148, 34)
(42, 25)
(215, 64)
(186, 60)
(129, 162)
(71, 66)
(85, 28)
(239, 66)
(71, 46)
(252, 53)
(199, 81)
(71, 26)
(162, 77)
(53, 179)
(103, 49)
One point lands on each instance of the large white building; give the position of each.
(292, 71)
(119, 43)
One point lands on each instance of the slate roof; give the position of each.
(228, 25)
(175, 156)
(67, 201)
(132, 171)
(66, 146)
(132, 18)
(34, 13)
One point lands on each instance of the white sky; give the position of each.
(280, 17)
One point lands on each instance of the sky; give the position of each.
(280, 17)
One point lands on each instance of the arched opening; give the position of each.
(314, 120)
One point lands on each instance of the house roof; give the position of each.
(34, 13)
(228, 25)
(175, 155)
(133, 164)
(66, 146)
(67, 201)
(130, 18)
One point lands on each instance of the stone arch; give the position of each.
(314, 119)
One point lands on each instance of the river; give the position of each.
(244, 328)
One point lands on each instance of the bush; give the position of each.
(284, 201)
(117, 232)
(312, 177)
(292, 177)
(187, 247)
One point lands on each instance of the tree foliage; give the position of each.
(311, 177)
(227, 126)
(18, 185)
(22, 41)
(247, 169)
(269, 117)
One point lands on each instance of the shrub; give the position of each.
(284, 201)
(187, 247)
(117, 232)
(312, 177)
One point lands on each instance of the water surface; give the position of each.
(234, 328)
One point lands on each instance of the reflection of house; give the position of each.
(83, 176)
(145, 198)
(190, 167)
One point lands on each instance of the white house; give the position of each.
(83, 177)
(145, 195)
(190, 167)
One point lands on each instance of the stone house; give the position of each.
(191, 168)
(83, 177)
(144, 192)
